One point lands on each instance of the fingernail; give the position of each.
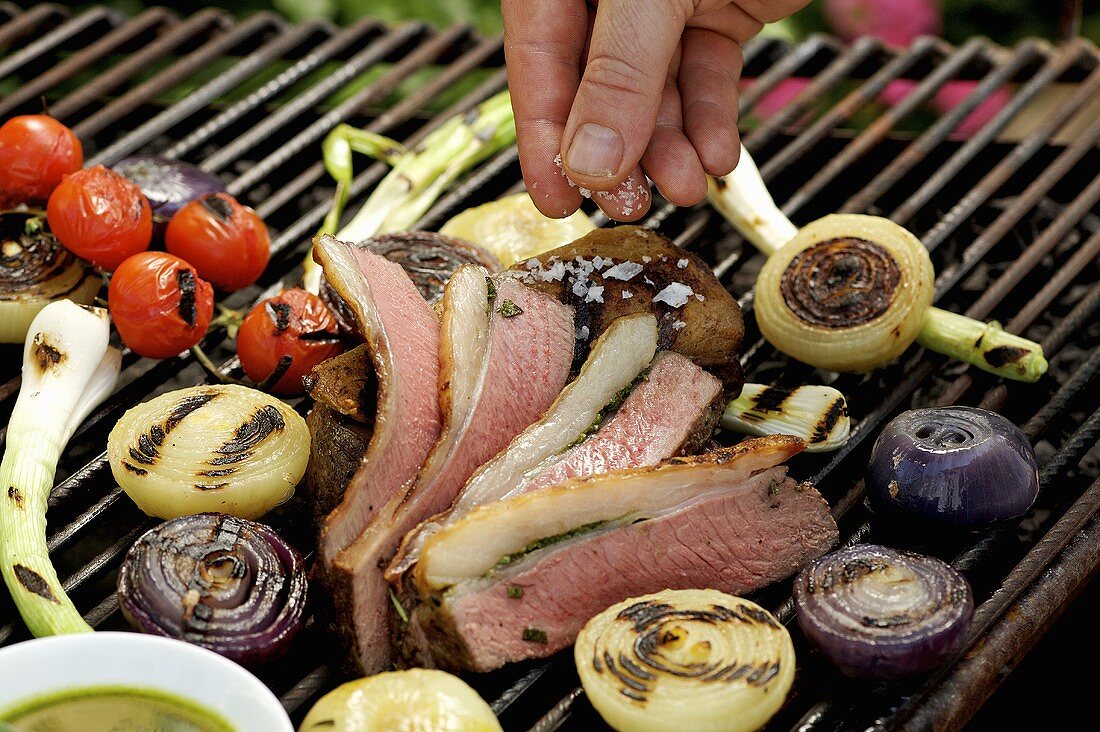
(596, 151)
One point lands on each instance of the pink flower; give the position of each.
(779, 97)
(894, 22)
(954, 93)
(896, 91)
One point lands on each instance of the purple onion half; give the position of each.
(881, 613)
(168, 184)
(224, 583)
(957, 465)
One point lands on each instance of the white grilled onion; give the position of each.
(863, 277)
(697, 660)
(817, 414)
(412, 700)
(69, 367)
(223, 448)
(514, 230)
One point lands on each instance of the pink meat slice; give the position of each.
(529, 359)
(402, 332)
(742, 539)
(664, 412)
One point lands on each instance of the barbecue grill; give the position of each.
(1009, 214)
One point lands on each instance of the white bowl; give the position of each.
(48, 665)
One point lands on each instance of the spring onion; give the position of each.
(68, 369)
(817, 414)
(419, 176)
(224, 448)
(685, 659)
(416, 699)
(851, 292)
(36, 270)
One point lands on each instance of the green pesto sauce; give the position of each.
(111, 709)
(545, 542)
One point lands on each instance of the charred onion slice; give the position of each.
(960, 465)
(514, 230)
(222, 448)
(226, 584)
(417, 699)
(430, 259)
(881, 613)
(35, 270)
(847, 293)
(685, 659)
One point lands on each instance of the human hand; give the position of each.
(622, 89)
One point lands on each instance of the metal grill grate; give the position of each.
(1010, 216)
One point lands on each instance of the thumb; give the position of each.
(615, 109)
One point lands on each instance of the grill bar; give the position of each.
(145, 23)
(196, 100)
(58, 36)
(1061, 253)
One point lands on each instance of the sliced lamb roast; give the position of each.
(517, 579)
(672, 411)
(505, 355)
(402, 332)
(616, 359)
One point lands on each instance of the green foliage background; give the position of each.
(1005, 21)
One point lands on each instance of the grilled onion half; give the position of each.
(685, 659)
(35, 270)
(881, 613)
(224, 448)
(226, 584)
(862, 277)
(412, 700)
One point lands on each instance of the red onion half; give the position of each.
(224, 583)
(882, 613)
(957, 465)
(168, 184)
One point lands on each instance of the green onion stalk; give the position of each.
(68, 369)
(850, 292)
(418, 176)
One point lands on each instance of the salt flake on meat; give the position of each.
(675, 295)
(624, 271)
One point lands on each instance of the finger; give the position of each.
(709, 69)
(632, 45)
(628, 201)
(670, 160)
(543, 43)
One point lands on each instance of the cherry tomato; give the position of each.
(36, 151)
(159, 304)
(100, 216)
(227, 242)
(294, 325)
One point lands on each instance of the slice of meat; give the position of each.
(735, 537)
(616, 359)
(402, 333)
(472, 546)
(670, 412)
(506, 354)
